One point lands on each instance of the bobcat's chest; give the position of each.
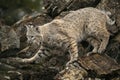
(54, 41)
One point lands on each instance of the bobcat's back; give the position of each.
(79, 24)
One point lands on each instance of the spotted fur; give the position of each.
(84, 24)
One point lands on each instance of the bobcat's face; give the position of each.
(33, 35)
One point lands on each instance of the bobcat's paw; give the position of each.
(101, 51)
(90, 53)
(70, 62)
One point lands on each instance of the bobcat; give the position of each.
(84, 24)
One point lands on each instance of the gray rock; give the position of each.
(8, 38)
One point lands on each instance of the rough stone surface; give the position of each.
(99, 65)
(8, 38)
(72, 72)
(55, 7)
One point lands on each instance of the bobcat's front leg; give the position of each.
(34, 58)
(73, 50)
(95, 43)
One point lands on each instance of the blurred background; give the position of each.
(12, 10)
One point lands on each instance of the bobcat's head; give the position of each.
(33, 34)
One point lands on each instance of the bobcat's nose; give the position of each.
(29, 41)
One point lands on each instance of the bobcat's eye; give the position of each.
(40, 43)
(32, 37)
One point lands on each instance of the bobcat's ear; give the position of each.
(29, 26)
(26, 26)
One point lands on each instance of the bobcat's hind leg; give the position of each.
(95, 43)
(104, 43)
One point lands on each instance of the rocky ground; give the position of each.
(96, 67)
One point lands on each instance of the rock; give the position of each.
(113, 49)
(95, 66)
(5, 67)
(54, 7)
(117, 37)
(101, 64)
(8, 38)
(15, 10)
(116, 78)
(114, 8)
(22, 71)
(72, 72)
